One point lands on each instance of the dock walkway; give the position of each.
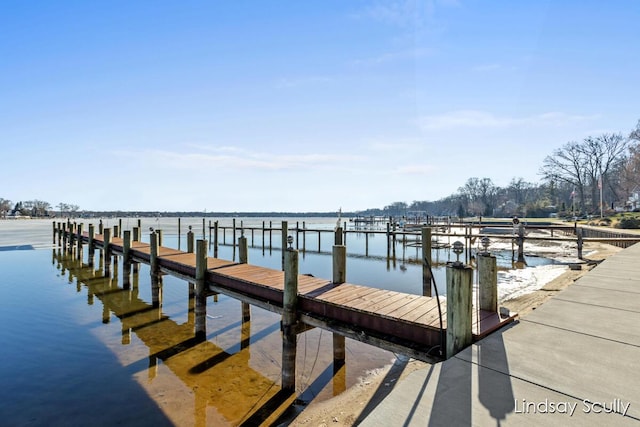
(573, 361)
(400, 322)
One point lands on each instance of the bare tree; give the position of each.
(5, 206)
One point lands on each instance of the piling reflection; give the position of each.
(224, 386)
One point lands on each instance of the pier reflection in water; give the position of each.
(230, 374)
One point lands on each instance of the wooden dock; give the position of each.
(405, 323)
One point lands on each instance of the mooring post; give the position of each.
(304, 236)
(106, 248)
(339, 264)
(59, 234)
(233, 233)
(159, 233)
(135, 235)
(270, 234)
(54, 232)
(190, 241)
(338, 236)
(459, 303)
(244, 258)
(154, 269)
(71, 236)
(579, 234)
(488, 282)
(366, 243)
(91, 235)
(201, 299)
(284, 240)
(388, 240)
(116, 231)
(289, 319)
(126, 258)
(521, 243)
(215, 239)
(204, 236)
(79, 242)
(210, 233)
(100, 227)
(319, 240)
(179, 233)
(426, 261)
(119, 227)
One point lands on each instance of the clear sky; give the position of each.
(301, 105)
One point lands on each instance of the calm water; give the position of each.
(78, 348)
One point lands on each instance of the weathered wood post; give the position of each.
(159, 233)
(426, 261)
(233, 232)
(71, 236)
(339, 277)
(210, 233)
(60, 234)
(100, 227)
(215, 239)
(338, 236)
(339, 264)
(179, 233)
(116, 231)
(459, 304)
(366, 243)
(119, 227)
(106, 248)
(54, 232)
(244, 258)
(79, 242)
(289, 319)
(154, 269)
(319, 240)
(579, 234)
(284, 240)
(388, 240)
(201, 299)
(521, 243)
(487, 282)
(304, 236)
(126, 259)
(190, 241)
(90, 243)
(270, 234)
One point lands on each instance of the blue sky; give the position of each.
(301, 105)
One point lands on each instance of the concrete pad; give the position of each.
(621, 300)
(457, 393)
(574, 364)
(604, 322)
(608, 282)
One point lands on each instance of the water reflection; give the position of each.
(228, 381)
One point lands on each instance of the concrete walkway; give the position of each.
(581, 347)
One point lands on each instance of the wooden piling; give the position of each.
(201, 299)
(459, 303)
(106, 248)
(488, 282)
(289, 320)
(339, 264)
(243, 254)
(233, 234)
(204, 236)
(135, 236)
(100, 227)
(285, 231)
(153, 253)
(215, 239)
(338, 236)
(159, 233)
(54, 232)
(116, 231)
(59, 234)
(126, 258)
(91, 236)
(579, 234)
(210, 232)
(521, 243)
(79, 240)
(179, 233)
(339, 350)
(190, 241)
(426, 261)
(119, 234)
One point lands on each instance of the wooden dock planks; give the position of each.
(390, 314)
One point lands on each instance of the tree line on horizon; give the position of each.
(574, 177)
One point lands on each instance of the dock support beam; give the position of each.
(201, 298)
(459, 314)
(215, 239)
(488, 282)
(289, 319)
(426, 261)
